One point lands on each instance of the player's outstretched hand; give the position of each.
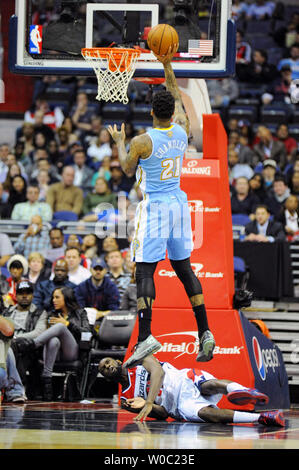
(166, 58)
(116, 135)
(144, 412)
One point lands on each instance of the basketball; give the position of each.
(161, 37)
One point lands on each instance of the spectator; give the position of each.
(16, 194)
(245, 154)
(269, 148)
(294, 184)
(29, 322)
(258, 71)
(27, 136)
(17, 266)
(98, 291)
(260, 10)
(81, 115)
(4, 151)
(83, 174)
(67, 321)
(222, 91)
(38, 271)
(12, 168)
(237, 169)
(25, 210)
(116, 272)
(289, 217)
(129, 298)
(101, 147)
(41, 128)
(6, 249)
(57, 248)
(103, 171)
(280, 194)
(64, 196)
(101, 194)
(44, 289)
(243, 56)
(55, 157)
(262, 229)
(89, 246)
(36, 238)
(286, 35)
(243, 202)
(282, 135)
(279, 90)
(70, 128)
(52, 118)
(239, 9)
(43, 183)
(64, 143)
(10, 380)
(118, 181)
(92, 136)
(256, 185)
(77, 273)
(269, 169)
(21, 156)
(39, 141)
(292, 61)
(3, 202)
(44, 164)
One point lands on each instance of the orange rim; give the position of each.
(113, 55)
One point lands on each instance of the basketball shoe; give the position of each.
(149, 346)
(272, 418)
(206, 347)
(247, 396)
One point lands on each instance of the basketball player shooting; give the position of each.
(162, 220)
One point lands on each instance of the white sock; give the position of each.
(232, 386)
(243, 417)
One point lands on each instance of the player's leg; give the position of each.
(235, 392)
(210, 414)
(179, 247)
(193, 289)
(146, 294)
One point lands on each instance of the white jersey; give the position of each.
(174, 384)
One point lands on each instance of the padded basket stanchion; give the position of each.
(114, 68)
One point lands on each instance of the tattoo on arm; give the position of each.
(140, 147)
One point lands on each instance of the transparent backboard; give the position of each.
(46, 36)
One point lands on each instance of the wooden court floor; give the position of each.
(103, 425)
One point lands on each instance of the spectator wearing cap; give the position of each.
(44, 289)
(118, 181)
(269, 169)
(98, 291)
(267, 147)
(25, 210)
(262, 229)
(278, 195)
(35, 238)
(17, 266)
(65, 196)
(29, 321)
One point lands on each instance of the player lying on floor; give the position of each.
(159, 390)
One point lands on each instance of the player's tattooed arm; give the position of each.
(180, 117)
(140, 147)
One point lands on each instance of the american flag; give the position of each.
(200, 46)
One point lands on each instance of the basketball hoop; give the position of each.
(114, 68)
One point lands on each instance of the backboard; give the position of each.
(46, 36)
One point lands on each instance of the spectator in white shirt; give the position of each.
(289, 217)
(77, 273)
(101, 147)
(83, 174)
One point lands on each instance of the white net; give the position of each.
(114, 69)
